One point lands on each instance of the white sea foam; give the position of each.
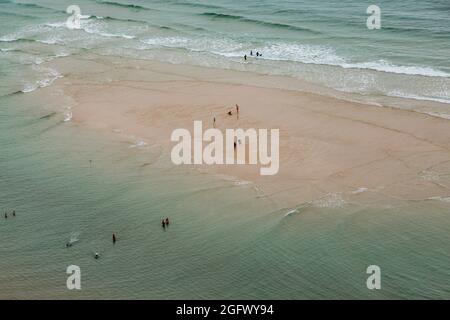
(74, 237)
(284, 51)
(62, 24)
(332, 200)
(300, 53)
(384, 66)
(429, 175)
(399, 94)
(39, 60)
(9, 38)
(50, 41)
(242, 182)
(291, 212)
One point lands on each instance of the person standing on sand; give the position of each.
(237, 109)
(214, 122)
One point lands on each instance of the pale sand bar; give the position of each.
(327, 145)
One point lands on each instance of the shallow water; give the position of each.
(326, 43)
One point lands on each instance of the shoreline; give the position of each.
(327, 145)
(311, 212)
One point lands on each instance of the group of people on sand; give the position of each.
(258, 54)
(13, 213)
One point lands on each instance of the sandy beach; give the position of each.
(327, 145)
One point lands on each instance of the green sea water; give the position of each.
(226, 241)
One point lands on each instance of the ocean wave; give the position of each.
(384, 66)
(215, 15)
(429, 175)
(292, 211)
(9, 38)
(332, 200)
(242, 182)
(139, 143)
(215, 46)
(9, 50)
(359, 190)
(16, 14)
(109, 35)
(33, 6)
(442, 199)
(309, 54)
(91, 25)
(399, 94)
(68, 116)
(440, 115)
(124, 5)
(323, 55)
(289, 52)
(109, 18)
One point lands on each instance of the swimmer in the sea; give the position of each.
(114, 238)
(167, 221)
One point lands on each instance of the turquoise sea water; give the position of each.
(225, 241)
(323, 42)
